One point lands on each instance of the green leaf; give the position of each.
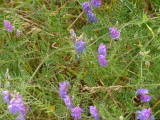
(144, 17)
(151, 30)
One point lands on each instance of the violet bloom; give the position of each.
(91, 17)
(76, 112)
(102, 60)
(63, 89)
(144, 114)
(152, 117)
(94, 112)
(143, 95)
(115, 34)
(7, 96)
(16, 105)
(102, 49)
(68, 101)
(86, 6)
(96, 3)
(24, 109)
(7, 25)
(20, 117)
(79, 46)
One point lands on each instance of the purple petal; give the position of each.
(94, 112)
(96, 3)
(114, 33)
(144, 114)
(102, 61)
(102, 49)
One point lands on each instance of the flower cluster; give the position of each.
(94, 112)
(143, 95)
(7, 96)
(91, 17)
(75, 111)
(96, 3)
(63, 93)
(89, 13)
(79, 46)
(68, 101)
(145, 113)
(86, 6)
(115, 34)
(15, 104)
(101, 58)
(63, 89)
(8, 25)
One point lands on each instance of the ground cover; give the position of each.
(65, 56)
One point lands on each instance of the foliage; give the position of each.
(43, 56)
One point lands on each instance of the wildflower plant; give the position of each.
(79, 46)
(63, 89)
(86, 5)
(15, 104)
(101, 58)
(143, 95)
(7, 96)
(94, 112)
(8, 25)
(96, 3)
(144, 114)
(114, 33)
(76, 113)
(63, 93)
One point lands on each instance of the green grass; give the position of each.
(43, 56)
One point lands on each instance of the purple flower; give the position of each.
(63, 89)
(102, 60)
(145, 98)
(91, 17)
(68, 101)
(143, 95)
(79, 46)
(16, 105)
(96, 3)
(152, 117)
(7, 96)
(76, 112)
(144, 114)
(94, 112)
(86, 6)
(24, 109)
(114, 33)
(8, 25)
(102, 49)
(142, 91)
(20, 117)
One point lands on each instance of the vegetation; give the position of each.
(43, 56)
